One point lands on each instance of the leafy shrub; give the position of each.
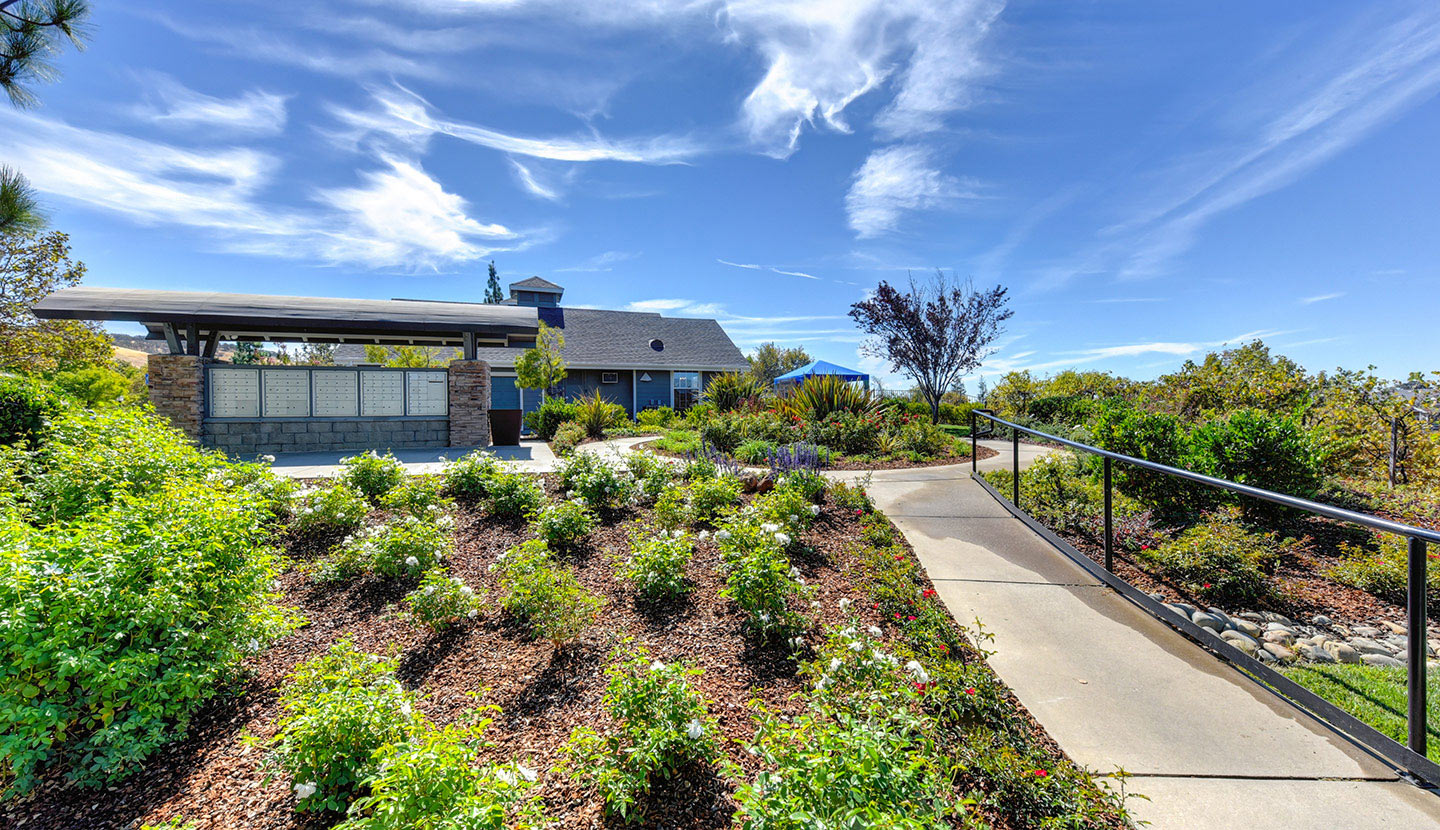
(1152, 436)
(175, 823)
(712, 499)
(851, 496)
(1070, 410)
(91, 455)
(655, 416)
(846, 432)
(334, 509)
(923, 439)
(809, 483)
(656, 564)
(118, 626)
(1383, 570)
(733, 390)
(442, 600)
(513, 496)
(651, 476)
(25, 407)
(761, 580)
(595, 414)
(404, 546)
(755, 452)
(831, 767)
(276, 492)
(595, 481)
(722, 432)
(469, 478)
(419, 496)
(1252, 446)
(545, 594)
(1218, 559)
(548, 417)
(336, 710)
(819, 395)
(371, 474)
(660, 724)
(564, 524)
(679, 442)
(699, 413)
(430, 781)
(568, 437)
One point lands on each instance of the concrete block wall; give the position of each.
(252, 436)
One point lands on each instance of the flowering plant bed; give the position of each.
(678, 443)
(595, 647)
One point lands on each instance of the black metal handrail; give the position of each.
(1415, 587)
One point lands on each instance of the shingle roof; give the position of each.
(536, 282)
(602, 339)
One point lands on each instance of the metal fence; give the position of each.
(1410, 756)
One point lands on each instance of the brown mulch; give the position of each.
(846, 465)
(216, 780)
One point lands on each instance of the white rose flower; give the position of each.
(694, 730)
(411, 562)
(304, 791)
(722, 535)
(814, 510)
(526, 772)
(657, 666)
(918, 671)
(769, 527)
(857, 646)
(875, 631)
(834, 663)
(844, 603)
(704, 534)
(782, 538)
(472, 613)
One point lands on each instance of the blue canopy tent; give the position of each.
(821, 367)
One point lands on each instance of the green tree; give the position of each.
(492, 287)
(33, 265)
(542, 367)
(32, 32)
(19, 209)
(409, 357)
(1244, 377)
(246, 351)
(317, 354)
(770, 361)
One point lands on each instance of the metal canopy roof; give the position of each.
(274, 317)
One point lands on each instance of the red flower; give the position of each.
(921, 687)
(1144, 547)
(1040, 773)
(897, 616)
(1207, 585)
(929, 592)
(970, 691)
(911, 617)
(876, 606)
(858, 511)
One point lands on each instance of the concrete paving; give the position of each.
(1117, 689)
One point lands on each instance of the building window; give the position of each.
(686, 388)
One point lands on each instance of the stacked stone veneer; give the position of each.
(177, 389)
(469, 403)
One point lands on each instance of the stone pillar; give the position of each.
(177, 389)
(469, 403)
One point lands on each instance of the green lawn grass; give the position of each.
(1374, 694)
(957, 430)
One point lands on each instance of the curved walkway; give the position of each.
(1120, 690)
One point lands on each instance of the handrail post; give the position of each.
(1109, 523)
(974, 443)
(1415, 641)
(1015, 465)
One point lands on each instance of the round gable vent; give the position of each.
(657, 344)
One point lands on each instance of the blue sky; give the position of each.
(1151, 181)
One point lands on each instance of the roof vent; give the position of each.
(657, 344)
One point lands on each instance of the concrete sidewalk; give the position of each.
(1118, 689)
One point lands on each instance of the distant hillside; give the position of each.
(134, 350)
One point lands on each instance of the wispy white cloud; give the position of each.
(676, 307)
(172, 104)
(1320, 298)
(399, 115)
(531, 184)
(893, 181)
(602, 262)
(1006, 362)
(747, 265)
(1367, 79)
(795, 274)
(397, 217)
